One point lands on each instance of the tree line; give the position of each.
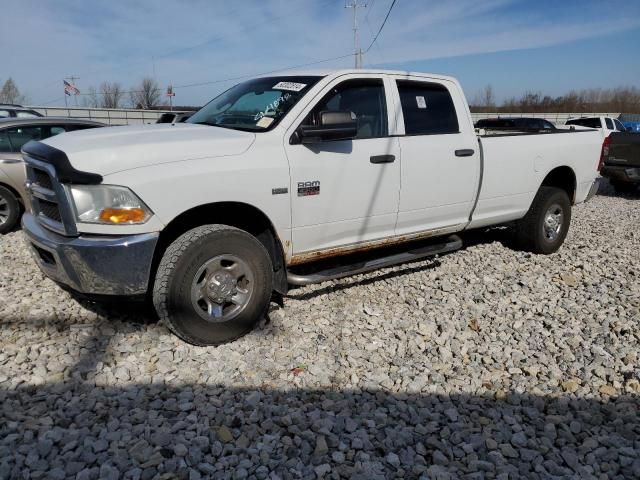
(619, 99)
(146, 94)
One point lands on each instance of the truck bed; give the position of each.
(509, 132)
(525, 159)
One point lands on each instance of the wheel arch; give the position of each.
(15, 193)
(564, 178)
(236, 214)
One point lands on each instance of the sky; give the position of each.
(202, 47)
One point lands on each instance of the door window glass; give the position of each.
(365, 99)
(5, 144)
(427, 108)
(57, 130)
(4, 114)
(21, 135)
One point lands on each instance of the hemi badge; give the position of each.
(279, 191)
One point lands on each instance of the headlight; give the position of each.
(108, 204)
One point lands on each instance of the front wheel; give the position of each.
(213, 284)
(546, 224)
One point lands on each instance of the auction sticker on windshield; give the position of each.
(290, 86)
(264, 122)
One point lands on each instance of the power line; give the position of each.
(381, 26)
(203, 44)
(265, 73)
(371, 32)
(371, 5)
(52, 101)
(229, 79)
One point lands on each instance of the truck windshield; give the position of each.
(256, 105)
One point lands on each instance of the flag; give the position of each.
(70, 89)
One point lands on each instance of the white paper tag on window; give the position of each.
(264, 122)
(422, 103)
(290, 86)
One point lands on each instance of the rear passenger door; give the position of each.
(440, 159)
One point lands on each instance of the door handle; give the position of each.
(9, 161)
(382, 159)
(465, 152)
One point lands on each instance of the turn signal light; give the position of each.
(123, 215)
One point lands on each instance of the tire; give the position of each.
(537, 232)
(623, 187)
(9, 210)
(204, 275)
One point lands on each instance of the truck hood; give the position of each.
(109, 150)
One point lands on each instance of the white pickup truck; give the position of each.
(606, 125)
(277, 175)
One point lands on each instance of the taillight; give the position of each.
(604, 152)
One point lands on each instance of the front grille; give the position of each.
(49, 202)
(43, 179)
(50, 210)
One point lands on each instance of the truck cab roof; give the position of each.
(360, 71)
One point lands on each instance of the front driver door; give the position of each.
(346, 192)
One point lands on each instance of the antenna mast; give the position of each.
(357, 51)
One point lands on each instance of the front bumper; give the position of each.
(622, 173)
(91, 264)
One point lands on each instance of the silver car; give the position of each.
(14, 133)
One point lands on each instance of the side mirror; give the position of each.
(333, 126)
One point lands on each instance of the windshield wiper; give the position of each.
(222, 125)
(211, 124)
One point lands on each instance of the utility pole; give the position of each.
(73, 79)
(357, 51)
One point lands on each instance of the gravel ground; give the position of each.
(485, 363)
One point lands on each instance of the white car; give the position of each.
(606, 125)
(211, 216)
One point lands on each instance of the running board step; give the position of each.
(450, 244)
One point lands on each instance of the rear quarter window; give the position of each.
(585, 122)
(609, 123)
(427, 108)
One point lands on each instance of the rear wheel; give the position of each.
(213, 284)
(9, 210)
(546, 224)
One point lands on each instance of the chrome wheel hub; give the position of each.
(222, 288)
(4, 210)
(553, 220)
